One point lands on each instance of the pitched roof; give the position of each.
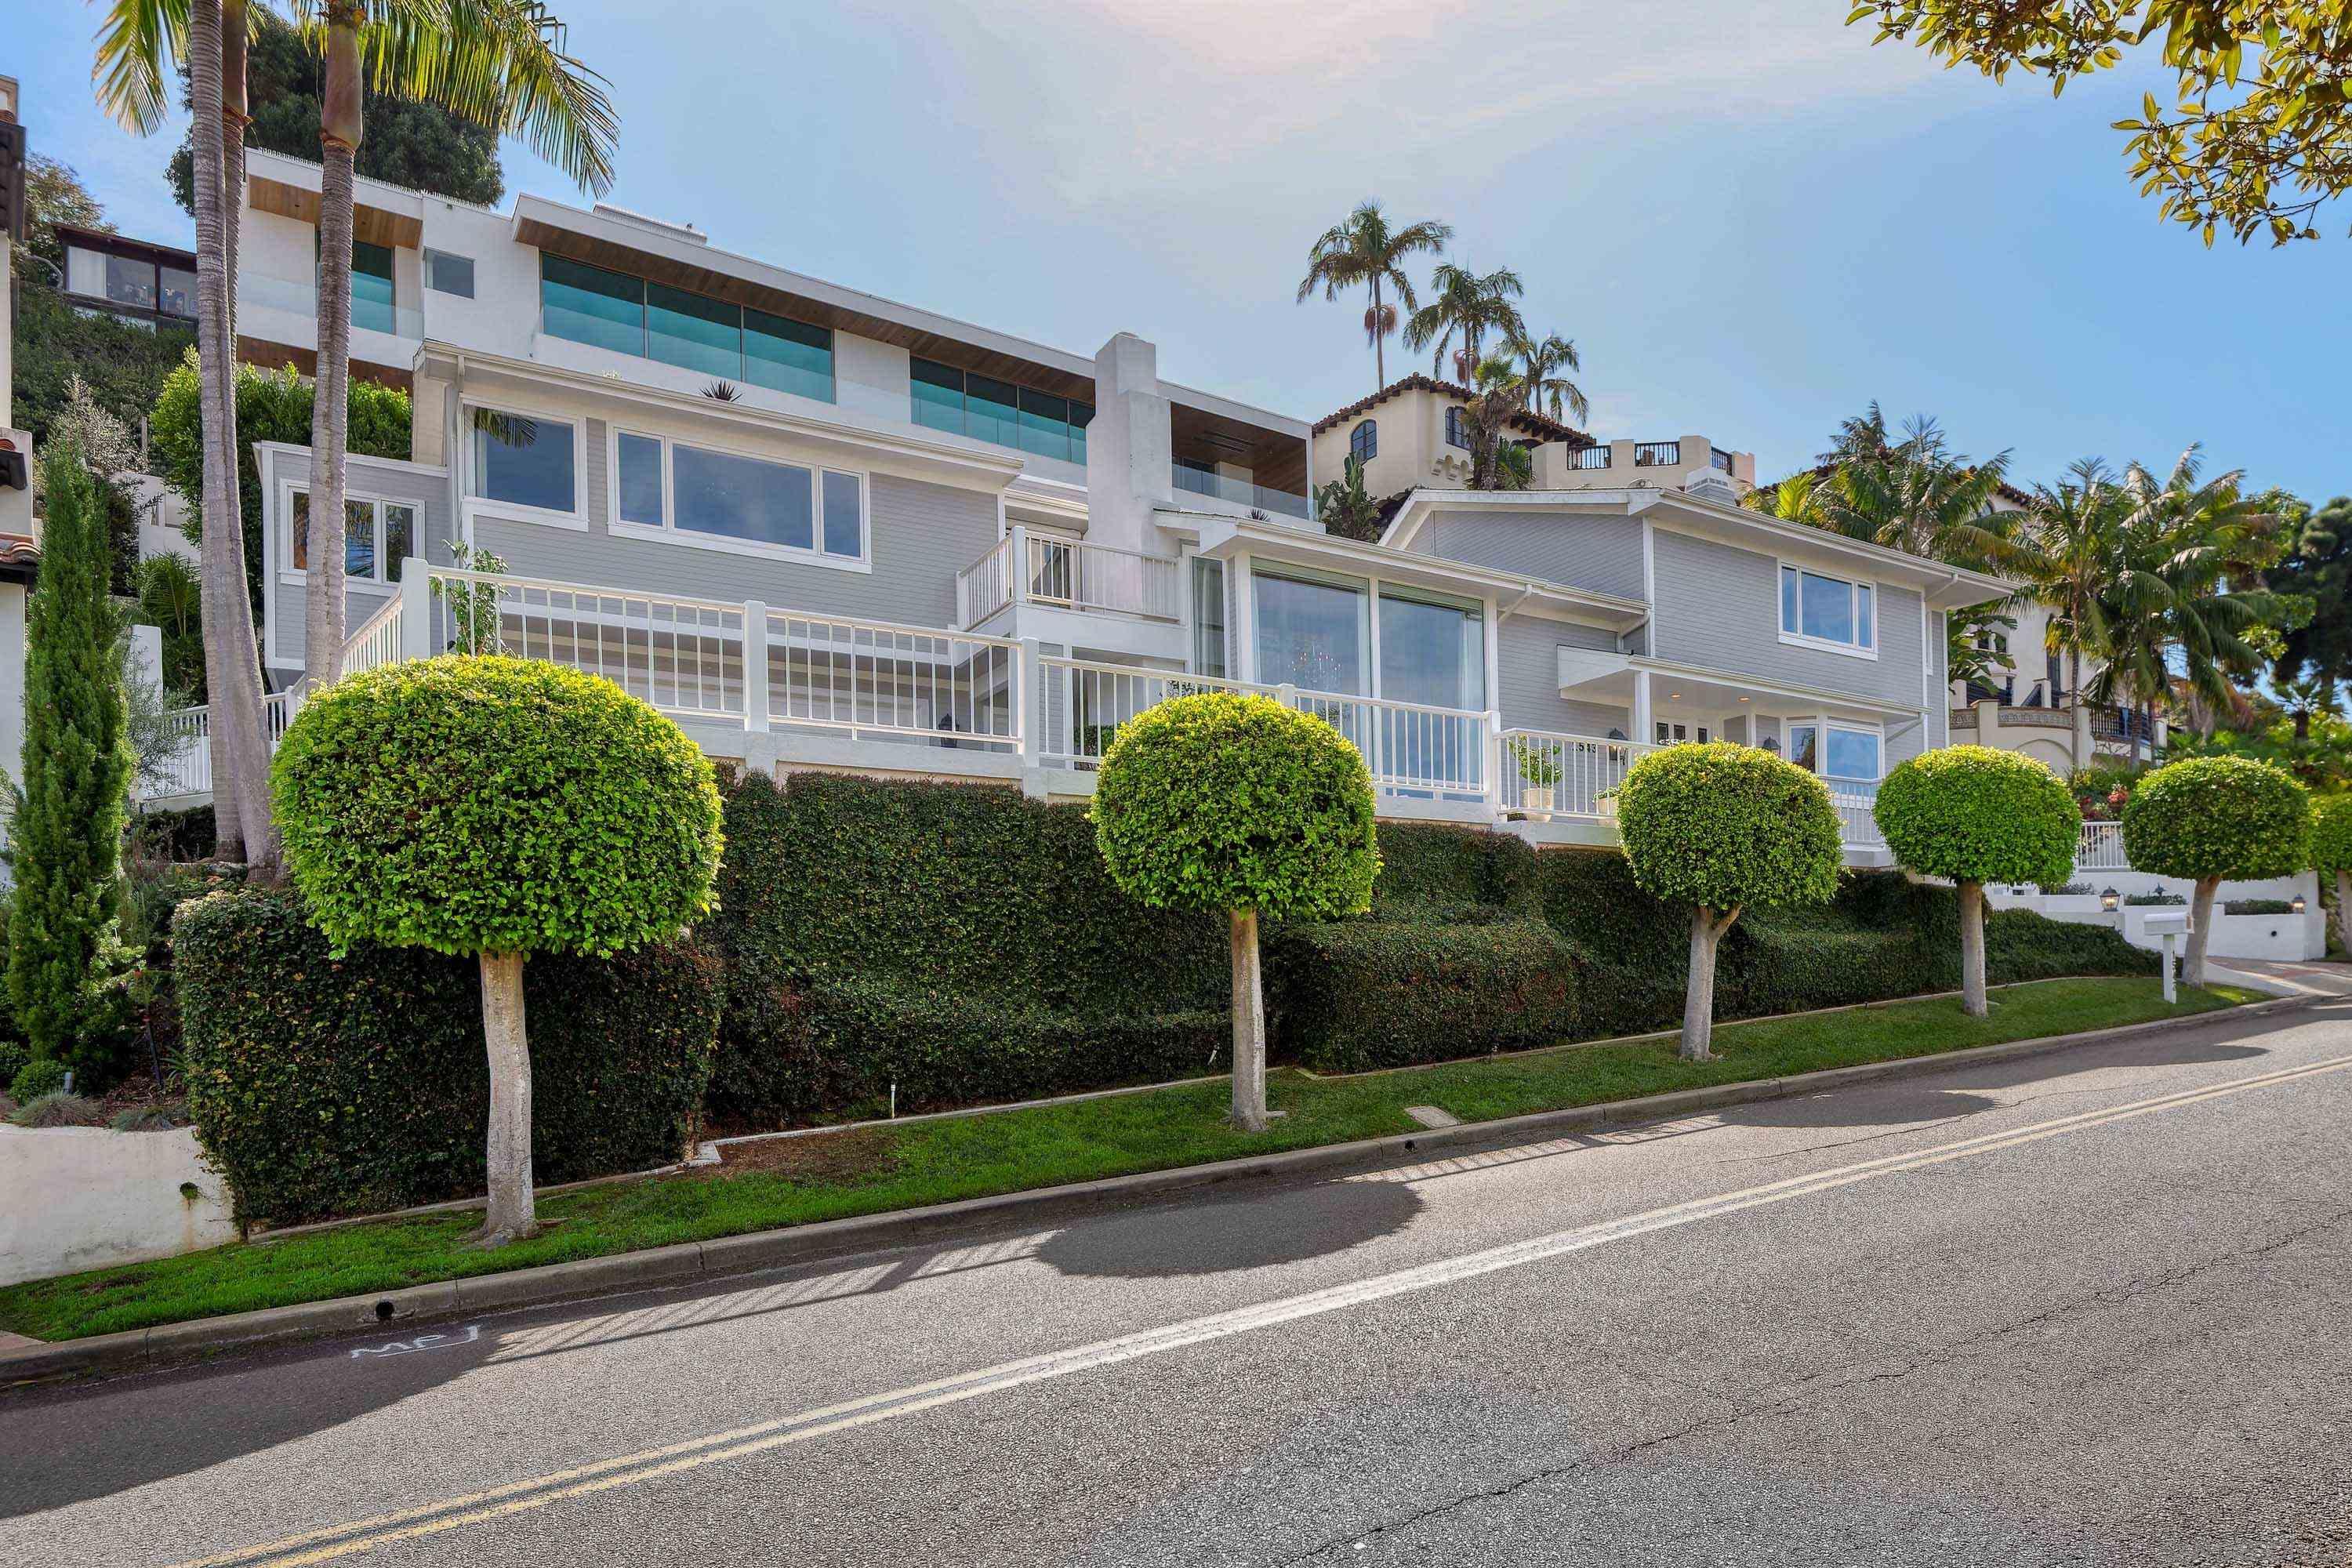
(20, 557)
(1536, 425)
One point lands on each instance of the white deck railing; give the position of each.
(872, 678)
(2101, 847)
(376, 642)
(189, 769)
(1546, 774)
(1085, 703)
(1069, 575)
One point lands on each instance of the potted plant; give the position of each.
(1539, 773)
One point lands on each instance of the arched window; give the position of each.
(1364, 441)
(1458, 432)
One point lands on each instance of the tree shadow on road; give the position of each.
(1234, 1233)
(1900, 1106)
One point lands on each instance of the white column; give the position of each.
(1016, 589)
(1245, 613)
(755, 664)
(415, 608)
(1642, 706)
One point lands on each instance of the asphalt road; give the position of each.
(2086, 1309)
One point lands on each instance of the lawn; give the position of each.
(842, 1175)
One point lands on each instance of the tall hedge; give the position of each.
(327, 1086)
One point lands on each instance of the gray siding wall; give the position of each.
(1939, 695)
(1719, 607)
(922, 535)
(1527, 650)
(1600, 553)
(286, 601)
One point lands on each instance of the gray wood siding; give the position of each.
(922, 534)
(286, 603)
(1719, 607)
(1527, 652)
(1939, 696)
(1600, 553)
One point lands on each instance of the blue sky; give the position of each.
(1750, 221)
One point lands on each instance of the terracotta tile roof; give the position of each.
(1536, 425)
(20, 557)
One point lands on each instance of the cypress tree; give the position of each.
(68, 833)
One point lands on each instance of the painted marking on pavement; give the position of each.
(471, 1333)
(630, 1469)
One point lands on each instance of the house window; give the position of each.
(788, 355)
(372, 296)
(524, 461)
(967, 403)
(1457, 429)
(584, 304)
(753, 501)
(1840, 753)
(378, 535)
(1828, 610)
(1676, 732)
(179, 293)
(130, 282)
(1311, 632)
(448, 274)
(693, 332)
(1209, 617)
(588, 305)
(1364, 441)
(1433, 650)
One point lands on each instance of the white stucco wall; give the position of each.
(2287, 937)
(83, 1197)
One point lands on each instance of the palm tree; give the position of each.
(137, 44)
(1797, 498)
(1365, 250)
(2063, 556)
(1466, 306)
(501, 63)
(1499, 397)
(1539, 366)
(1921, 498)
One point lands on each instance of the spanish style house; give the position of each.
(826, 531)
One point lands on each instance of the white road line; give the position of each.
(605, 1475)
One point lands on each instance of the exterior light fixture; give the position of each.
(2111, 901)
(1616, 734)
(1771, 742)
(2295, 903)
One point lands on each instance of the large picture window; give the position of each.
(378, 535)
(1840, 753)
(1830, 611)
(606, 310)
(969, 404)
(1310, 633)
(524, 460)
(372, 292)
(1433, 650)
(701, 494)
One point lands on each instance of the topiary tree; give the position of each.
(1719, 826)
(2212, 819)
(1219, 802)
(2331, 852)
(496, 807)
(67, 835)
(1976, 816)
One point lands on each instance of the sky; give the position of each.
(1750, 221)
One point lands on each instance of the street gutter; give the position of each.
(760, 1251)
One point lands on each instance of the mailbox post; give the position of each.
(2171, 925)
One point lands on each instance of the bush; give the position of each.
(325, 1085)
(14, 1057)
(1725, 827)
(37, 1078)
(2331, 835)
(1355, 995)
(2217, 818)
(59, 1109)
(1975, 815)
(2258, 907)
(2154, 900)
(176, 836)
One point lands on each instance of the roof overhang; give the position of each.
(381, 213)
(1223, 538)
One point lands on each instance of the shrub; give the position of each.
(1219, 801)
(2331, 853)
(176, 836)
(324, 1085)
(1715, 828)
(499, 807)
(2216, 818)
(13, 1059)
(59, 1109)
(2154, 900)
(1355, 995)
(37, 1078)
(2258, 907)
(1973, 815)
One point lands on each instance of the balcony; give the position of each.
(1069, 575)
(259, 291)
(1243, 492)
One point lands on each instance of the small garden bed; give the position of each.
(942, 1160)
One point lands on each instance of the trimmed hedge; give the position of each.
(324, 1086)
(964, 942)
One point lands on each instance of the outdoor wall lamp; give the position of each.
(1772, 744)
(2295, 903)
(2111, 901)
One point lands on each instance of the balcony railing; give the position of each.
(1856, 803)
(1657, 454)
(299, 297)
(2101, 847)
(188, 770)
(1593, 456)
(1224, 487)
(1721, 459)
(1543, 774)
(1070, 575)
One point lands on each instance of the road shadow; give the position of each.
(1902, 1106)
(1234, 1233)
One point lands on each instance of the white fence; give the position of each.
(1069, 575)
(189, 768)
(2101, 847)
(1544, 774)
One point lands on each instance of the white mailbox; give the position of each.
(2171, 925)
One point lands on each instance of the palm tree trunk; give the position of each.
(227, 798)
(1379, 349)
(339, 129)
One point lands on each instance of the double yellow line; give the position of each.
(473, 1508)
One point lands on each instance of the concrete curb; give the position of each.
(758, 1251)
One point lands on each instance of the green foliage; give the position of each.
(35, 1078)
(2101, 789)
(184, 835)
(2317, 564)
(2258, 907)
(324, 1084)
(485, 804)
(2320, 759)
(54, 193)
(2331, 835)
(1976, 814)
(1347, 509)
(2218, 816)
(271, 406)
(13, 1059)
(964, 943)
(124, 364)
(67, 835)
(59, 1111)
(171, 599)
(1725, 826)
(403, 142)
(1226, 802)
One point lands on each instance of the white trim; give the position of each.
(1649, 584)
(298, 576)
(1813, 695)
(667, 530)
(1868, 650)
(1875, 728)
(361, 459)
(575, 519)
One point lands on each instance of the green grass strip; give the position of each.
(939, 1161)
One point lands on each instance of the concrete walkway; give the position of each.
(2285, 978)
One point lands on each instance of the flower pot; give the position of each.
(1537, 798)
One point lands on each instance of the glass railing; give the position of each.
(261, 291)
(1243, 492)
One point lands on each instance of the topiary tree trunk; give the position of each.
(511, 1213)
(2201, 927)
(1249, 1025)
(1972, 950)
(2343, 907)
(1698, 997)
